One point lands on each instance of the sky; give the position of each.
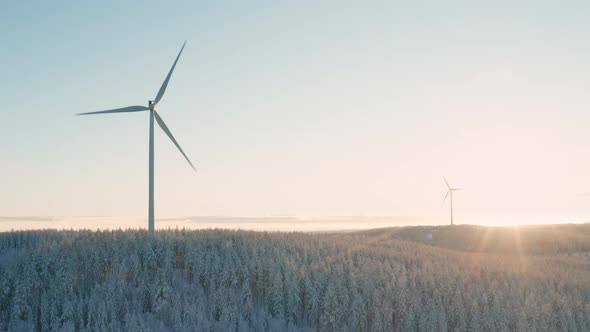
(299, 108)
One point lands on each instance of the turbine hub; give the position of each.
(151, 105)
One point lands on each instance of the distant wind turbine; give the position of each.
(450, 193)
(153, 114)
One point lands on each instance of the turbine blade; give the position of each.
(119, 110)
(447, 195)
(167, 131)
(447, 183)
(165, 84)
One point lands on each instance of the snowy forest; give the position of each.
(222, 280)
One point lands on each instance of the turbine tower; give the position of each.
(153, 115)
(450, 193)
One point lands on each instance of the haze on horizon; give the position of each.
(306, 110)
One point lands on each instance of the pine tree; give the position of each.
(276, 305)
(329, 317)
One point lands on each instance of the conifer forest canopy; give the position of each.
(221, 280)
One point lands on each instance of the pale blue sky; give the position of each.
(338, 108)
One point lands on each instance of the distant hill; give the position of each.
(530, 239)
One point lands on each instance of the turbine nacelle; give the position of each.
(151, 105)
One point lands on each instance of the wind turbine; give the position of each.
(450, 193)
(153, 115)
